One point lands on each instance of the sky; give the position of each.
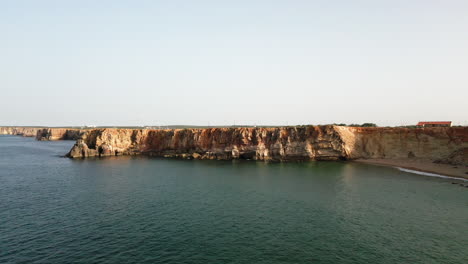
(254, 62)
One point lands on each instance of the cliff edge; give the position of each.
(443, 144)
(59, 134)
(42, 133)
(20, 131)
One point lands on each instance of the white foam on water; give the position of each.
(430, 174)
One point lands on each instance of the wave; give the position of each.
(431, 174)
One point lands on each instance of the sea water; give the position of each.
(153, 210)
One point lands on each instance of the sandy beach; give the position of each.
(458, 171)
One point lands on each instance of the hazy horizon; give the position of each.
(119, 63)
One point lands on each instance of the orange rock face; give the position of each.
(277, 144)
(429, 143)
(58, 134)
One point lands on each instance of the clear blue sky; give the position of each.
(223, 62)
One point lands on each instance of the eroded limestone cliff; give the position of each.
(283, 143)
(20, 131)
(277, 144)
(394, 143)
(41, 133)
(59, 134)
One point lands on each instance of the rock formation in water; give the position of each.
(277, 144)
(41, 133)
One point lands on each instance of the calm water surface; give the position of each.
(146, 210)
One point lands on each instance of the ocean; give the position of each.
(153, 210)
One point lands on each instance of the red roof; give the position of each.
(434, 123)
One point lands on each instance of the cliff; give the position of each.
(59, 134)
(299, 143)
(279, 143)
(399, 143)
(20, 131)
(41, 133)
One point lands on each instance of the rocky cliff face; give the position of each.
(428, 143)
(277, 144)
(41, 133)
(58, 134)
(285, 143)
(20, 131)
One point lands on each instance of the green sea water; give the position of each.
(151, 210)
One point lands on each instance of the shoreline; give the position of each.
(458, 172)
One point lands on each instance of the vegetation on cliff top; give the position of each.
(357, 125)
